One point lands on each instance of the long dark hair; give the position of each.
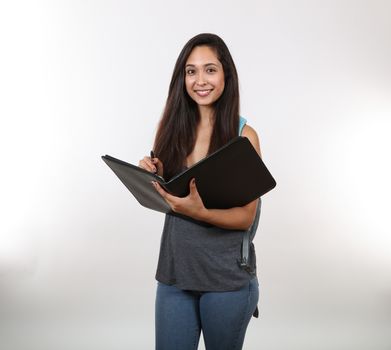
(176, 134)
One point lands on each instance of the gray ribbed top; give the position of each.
(201, 257)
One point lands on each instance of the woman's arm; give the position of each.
(237, 218)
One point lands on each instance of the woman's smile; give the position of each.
(203, 93)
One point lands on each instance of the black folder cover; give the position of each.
(232, 176)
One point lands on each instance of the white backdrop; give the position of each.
(80, 79)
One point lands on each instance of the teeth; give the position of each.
(203, 92)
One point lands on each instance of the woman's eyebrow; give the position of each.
(206, 64)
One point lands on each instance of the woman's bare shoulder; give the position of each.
(252, 135)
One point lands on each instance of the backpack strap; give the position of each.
(247, 238)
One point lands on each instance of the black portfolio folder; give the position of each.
(232, 176)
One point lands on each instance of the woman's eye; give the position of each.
(190, 71)
(211, 70)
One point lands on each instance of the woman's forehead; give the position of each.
(202, 55)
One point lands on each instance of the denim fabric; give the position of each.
(223, 317)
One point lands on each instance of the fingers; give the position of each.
(159, 165)
(147, 163)
(153, 165)
(163, 193)
(192, 185)
(190, 205)
(157, 187)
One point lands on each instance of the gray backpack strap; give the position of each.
(247, 238)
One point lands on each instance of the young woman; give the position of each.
(200, 284)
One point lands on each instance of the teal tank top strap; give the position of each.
(242, 122)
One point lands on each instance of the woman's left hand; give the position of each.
(191, 205)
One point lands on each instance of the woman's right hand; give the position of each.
(154, 165)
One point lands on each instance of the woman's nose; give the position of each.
(200, 79)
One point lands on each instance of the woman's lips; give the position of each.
(203, 93)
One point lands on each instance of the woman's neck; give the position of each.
(206, 116)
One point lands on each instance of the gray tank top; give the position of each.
(201, 257)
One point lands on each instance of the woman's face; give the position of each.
(204, 76)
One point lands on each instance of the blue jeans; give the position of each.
(223, 317)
